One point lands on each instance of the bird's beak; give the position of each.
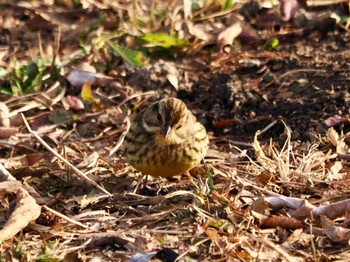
(166, 130)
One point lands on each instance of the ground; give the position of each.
(257, 197)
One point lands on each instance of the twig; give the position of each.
(76, 170)
(184, 193)
(324, 2)
(57, 49)
(66, 218)
(8, 143)
(217, 14)
(296, 71)
(239, 143)
(191, 248)
(313, 247)
(5, 175)
(148, 93)
(268, 127)
(121, 138)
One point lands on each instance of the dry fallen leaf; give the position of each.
(282, 202)
(78, 78)
(300, 208)
(333, 210)
(4, 115)
(5, 175)
(335, 171)
(199, 31)
(335, 121)
(260, 209)
(6, 132)
(288, 9)
(224, 123)
(26, 211)
(187, 8)
(172, 75)
(73, 102)
(282, 222)
(335, 233)
(261, 157)
(339, 141)
(333, 136)
(226, 37)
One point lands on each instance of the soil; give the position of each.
(300, 84)
(308, 82)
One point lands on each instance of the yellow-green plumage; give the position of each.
(165, 139)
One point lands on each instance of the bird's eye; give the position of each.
(179, 127)
(159, 117)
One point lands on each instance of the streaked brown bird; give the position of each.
(165, 139)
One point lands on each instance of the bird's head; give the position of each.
(165, 116)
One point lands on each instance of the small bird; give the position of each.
(165, 139)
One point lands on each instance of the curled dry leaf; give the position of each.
(248, 34)
(283, 222)
(224, 123)
(26, 211)
(78, 78)
(333, 210)
(6, 132)
(335, 171)
(260, 208)
(301, 208)
(226, 37)
(198, 30)
(335, 233)
(333, 136)
(298, 208)
(33, 158)
(264, 178)
(335, 121)
(73, 102)
(173, 80)
(87, 95)
(288, 9)
(261, 157)
(302, 212)
(342, 148)
(282, 202)
(172, 75)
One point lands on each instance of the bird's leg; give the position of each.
(145, 179)
(142, 179)
(190, 179)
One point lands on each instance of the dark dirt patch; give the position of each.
(310, 83)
